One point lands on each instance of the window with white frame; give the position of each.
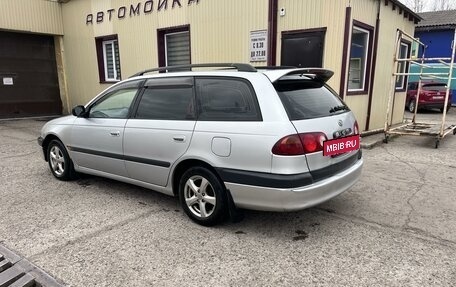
(111, 60)
(174, 46)
(108, 58)
(415, 48)
(359, 51)
(402, 66)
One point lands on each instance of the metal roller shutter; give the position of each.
(29, 83)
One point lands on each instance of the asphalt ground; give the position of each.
(395, 227)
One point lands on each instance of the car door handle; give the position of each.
(179, 138)
(115, 134)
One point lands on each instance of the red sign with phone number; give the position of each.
(341, 145)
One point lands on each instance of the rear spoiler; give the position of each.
(319, 74)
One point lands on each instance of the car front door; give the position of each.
(161, 129)
(97, 138)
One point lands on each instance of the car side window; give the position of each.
(226, 99)
(116, 103)
(167, 99)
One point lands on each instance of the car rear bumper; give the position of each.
(433, 105)
(296, 198)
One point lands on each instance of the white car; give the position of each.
(263, 139)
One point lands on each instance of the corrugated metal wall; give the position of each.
(219, 31)
(80, 53)
(389, 23)
(36, 16)
(309, 14)
(365, 12)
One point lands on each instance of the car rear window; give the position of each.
(307, 99)
(434, 87)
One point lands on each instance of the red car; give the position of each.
(432, 96)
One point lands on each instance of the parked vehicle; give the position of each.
(217, 139)
(432, 96)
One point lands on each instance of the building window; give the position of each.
(402, 66)
(359, 58)
(174, 46)
(415, 49)
(111, 60)
(177, 48)
(108, 58)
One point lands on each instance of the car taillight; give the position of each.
(299, 144)
(425, 95)
(289, 145)
(356, 128)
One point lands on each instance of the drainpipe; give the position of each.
(272, 31)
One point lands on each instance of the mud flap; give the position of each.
(236, 215)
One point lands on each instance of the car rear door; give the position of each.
(231, 132)
(330, 126)
(160, 130)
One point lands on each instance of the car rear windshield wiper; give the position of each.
(338, 108)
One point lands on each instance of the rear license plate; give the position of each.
(437, 97)
(341, 145)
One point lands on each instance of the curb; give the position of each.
(371, 145)
(371, 139)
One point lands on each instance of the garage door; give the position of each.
(28, 76)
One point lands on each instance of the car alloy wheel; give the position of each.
(199, 196)
(411, 106)
(59, 161)
(203, 196)
(443, 109)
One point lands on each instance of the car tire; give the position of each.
(60, 163)
(447, 109)
(411, 106)
(203, 196)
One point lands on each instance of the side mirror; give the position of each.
(78, 111)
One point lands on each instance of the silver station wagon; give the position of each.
(218, 139)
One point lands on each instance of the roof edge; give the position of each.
(435, 27)
(407, 9)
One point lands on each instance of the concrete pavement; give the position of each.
(396, 227)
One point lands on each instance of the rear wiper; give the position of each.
(338, 108)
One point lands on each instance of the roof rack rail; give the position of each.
(275, 67)
(239, 66)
